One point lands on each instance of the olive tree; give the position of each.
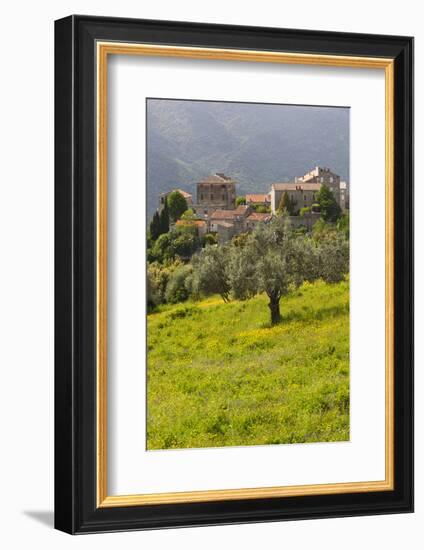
(178, 288)
(334, 258)
(274, 261)
(210, 271)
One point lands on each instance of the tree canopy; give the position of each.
(177, 205)
(155, 226)
(273, 259)
(164, 218)
(330, 210)
(160, 222)
(210, 271)
(189, 215)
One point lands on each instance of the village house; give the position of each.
(225, 231)
(227, 223)
(330, 179)
(301, 194)
(304, 190)
(235, 217)
(256, 218)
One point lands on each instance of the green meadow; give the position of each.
(219, 374)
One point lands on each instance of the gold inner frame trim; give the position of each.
(104, 49)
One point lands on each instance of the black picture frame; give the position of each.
(76, 510)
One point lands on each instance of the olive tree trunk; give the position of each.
(274, 307)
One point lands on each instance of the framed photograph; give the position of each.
(234, 274)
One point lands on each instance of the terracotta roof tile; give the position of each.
(259, 197)
(259, 217)
(199, 223)
(240, 211)
(217, 178)
(224, 215)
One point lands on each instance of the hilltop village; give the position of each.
(218, 210)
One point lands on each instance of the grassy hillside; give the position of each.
(219, 374)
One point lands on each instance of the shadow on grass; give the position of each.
(309, 314)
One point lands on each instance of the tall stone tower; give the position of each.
(216, 192)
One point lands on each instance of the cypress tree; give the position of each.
(285, 204)
(164, 219)
(330, 210)
(155, 226)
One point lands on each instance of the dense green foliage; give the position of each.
(174, 245)
(220, 374)
(343, 225)
(177, 205)
(155, 226)
(329, 208)
(209, 239)
(211, 272)
(189, 215)
(160, 222)
(272, 259)
(261, 208)
(179, 286)
(164, 219)
(158, 276)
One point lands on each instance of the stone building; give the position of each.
(216, 192)
(330, 179)
(256, 218)
(301, 194)
(321, 175)
(235, 217)
(225, 231)
(304, 190)
(227, 223)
